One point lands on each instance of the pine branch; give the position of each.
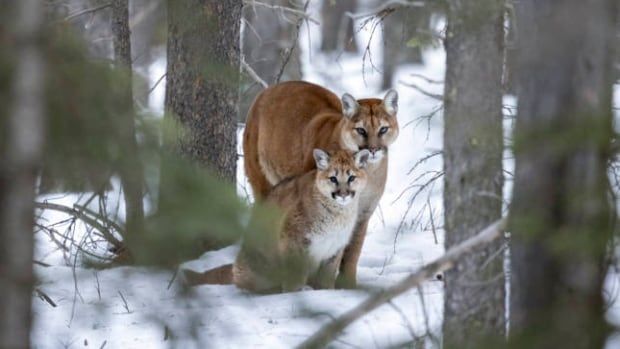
(328, 332)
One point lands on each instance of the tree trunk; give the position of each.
(131, 168)
(203, 80)
(560, 216)
(474, 289)
(23, 149)
(337, 30)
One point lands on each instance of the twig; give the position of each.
(390, 5)
(424, 159)
(86, 11)
(298, 13)
(174, 276)
(328, 332)
(252, 73)
(430, 212)
(426, 78)
(293, 46)
(45, 297)
(124, 302)
(156, 83)
(422, 91)
(41, 263)
(98, 287)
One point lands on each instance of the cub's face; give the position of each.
(371, 124)
(340, 174)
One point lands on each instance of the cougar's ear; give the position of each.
(361, 158)
(321, 158)
(390, 102)
(349, 105)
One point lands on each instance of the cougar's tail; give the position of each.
(219, 276)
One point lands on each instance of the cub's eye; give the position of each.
(383, 130)
(333, 180)
(351, 179)
(361, 131)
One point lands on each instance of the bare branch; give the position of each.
(328, 332)
(300, 14)
(390, 5)
(86, 11)
(292, 48)
(422, 91)
(84, 217)
(252, 73)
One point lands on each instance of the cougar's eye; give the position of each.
(333, 180)
(361, 131)
(351, 179)
(383, 130)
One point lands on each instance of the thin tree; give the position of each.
(406, 32)
(270, 48)
(22, 148)
(131, 169)
(474, 289)
(560, 217)
(203, 80)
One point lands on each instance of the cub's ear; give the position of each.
(361, 158)
(349, 105)
(321, 158)
(390, 102)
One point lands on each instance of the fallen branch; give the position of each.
(85, 218)
(328, 332)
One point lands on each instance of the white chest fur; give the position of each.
(328, 239)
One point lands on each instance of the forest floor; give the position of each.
(135, 307)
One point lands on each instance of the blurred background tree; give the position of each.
(24, 120)
(561, 215)
(337, 31)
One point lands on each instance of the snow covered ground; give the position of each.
(134, 307)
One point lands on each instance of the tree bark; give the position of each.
(203, 80)
(336, 28)
(561, 216)
(131, 168)
(474, 289)
(23, 149)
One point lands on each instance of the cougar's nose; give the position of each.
(340, 193)
(373, 150)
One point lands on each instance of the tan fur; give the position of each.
(295, 117)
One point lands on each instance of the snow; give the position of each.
(134, 307)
